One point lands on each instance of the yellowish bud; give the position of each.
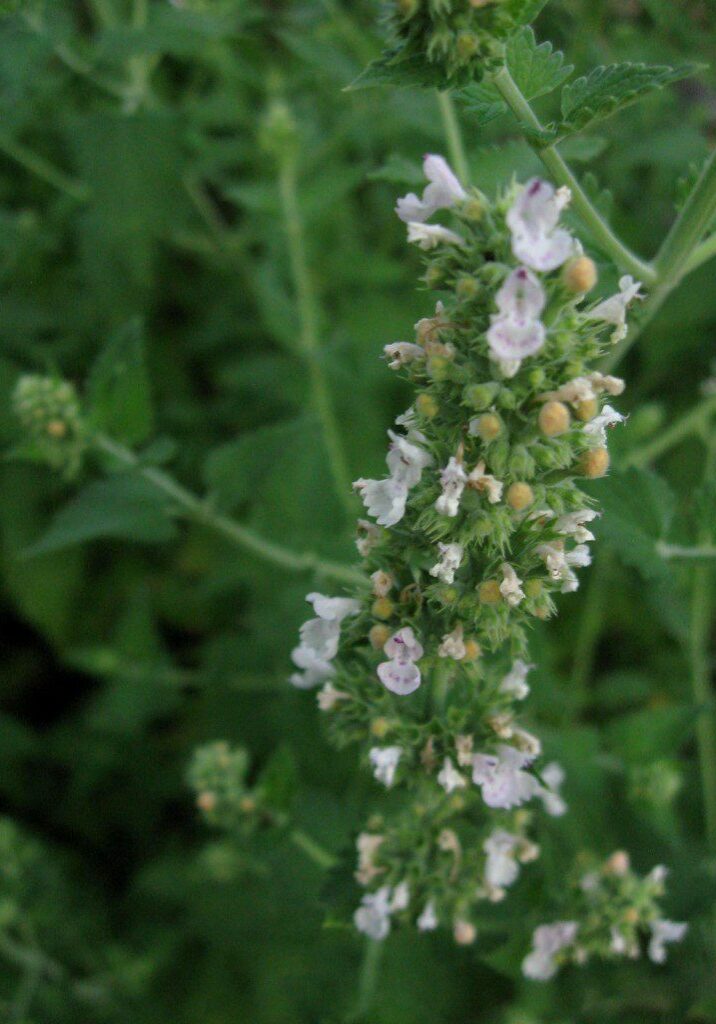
(464, 933)
(580, 275)
(587, 410)
(533, 588)
(473, 209)
(383, 608)
(488, 427)
(595, 463)
(379, 636)
(553, 419)
(426, 406)
(247, 805)
(380, 727)
(520, 496)
(472, 650)
(631, 915)
(57, 428)
(467, 288)
(618, 864)
(206, 801)
(489, 592)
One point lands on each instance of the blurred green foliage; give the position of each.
(143, 221)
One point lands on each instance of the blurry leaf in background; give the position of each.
(118, 387)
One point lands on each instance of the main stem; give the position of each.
(195, 508)
(560, 172)
(308, 319)
(698, 651)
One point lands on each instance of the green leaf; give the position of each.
(638, 506)
(279, 780)
(605, 90)
(403, 72)
(118, 387)
(522, 12)
(124, 506)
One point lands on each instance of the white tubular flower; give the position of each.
(329, 696)
(516, 331)
(511, 588)
(319, 644)
(428, 920)
(572, 525)
(597, 428)
(428, 326)
(401, 675)
(547, 941)
(442, 192)
(450, 778)
(536, 240)
(429, 236)
(521, 297)
(662, 932)
(479, 480)
(501, 777)
(514, 683)
(384, 499)
(406, 461)
(552, 777)
(373, 915)
(368, 536)
(574, 391)
(400, 353)
(614, 309)
(501, 866)
(450, 559)
(314, 671)
(604, 382)
(333, 609)
(367, 845)
(401, 897)
(453, 479)
(453, 645)
(385, 763)
(382, 583)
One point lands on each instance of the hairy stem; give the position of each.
(701, 254)
(308, 319)
(320, 857)
(368, 979)
(562, 175)
(687, 425)
(453, 135)
(678, 551)
(198, 510)
(43, 169)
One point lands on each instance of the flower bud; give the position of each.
(533, 588)
(467, 288)
(472, 650)
(464, 933)
(537, 377)
(426, 406)
(521, 463)
(433, 277)
(486, 427)
(519, 496)
(439, 367)
(49, 411)
(507, 399)
(473, 209)
(553, 419)
(480, 396)
(379, 636)
(380, 727)
(382, 608)
(595, 463)
(580, 275)
(618, 864)
(489, 592)
(466, 45)
(587, 410)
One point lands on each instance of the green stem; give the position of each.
(588, 632)
(691, 423)
(368, 979)
(198, 510)
(44, 169)
(308, 337)
(562, 175)
(320, 857)
(677, 551)
(701, 254)
(453, 135)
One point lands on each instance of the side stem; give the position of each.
(453, 136)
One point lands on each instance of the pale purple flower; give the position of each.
(552, 779)
(442, 192)
(373, 915)
(449, 778)
(502, 778)
(547, 941)
(401, 675)
(385, 763)
(429, 236)
(428, 920)
(537, 241)
(501, 867)
(663, 932)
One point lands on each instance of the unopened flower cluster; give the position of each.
(49, 411)
(477, 525)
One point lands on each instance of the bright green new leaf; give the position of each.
(124, 506)
(118, 388)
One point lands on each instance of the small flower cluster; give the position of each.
(49, 411)
(615, 913)
(460, 38)
(217, 775)
(479, 523)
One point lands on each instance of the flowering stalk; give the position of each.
(478, 525)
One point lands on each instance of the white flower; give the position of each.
(514, 683)
(382, 583)
(318, 646)
(572, 524)
(510, 588)
(329, 696)
(536, 240)
(384, 499)
(501, 777)
(658, 875)
(442, 192)
(452, 480)
(511, 341)
(368, 536)
(385, 763)
(406, 461)
(453, 645)
(428, 236)
(663, 931)
(428, 920)
(367, 845)
(401, 675)
(450, 559)
(333, 609)
(597, 428)
(614, 309)
(501, 867)
(604, 382)
(401, 897)
(449, 778)
(521, 297)
(479, 480)
(373, 916)
(427, 326)
(547, 941)
(527, 742)
(314, 671)
(552, 778)
(399, 353)
(559, 563)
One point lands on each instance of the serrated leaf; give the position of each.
(522, 12)
(125, 506)
(638, 506)
(118, 389)
(402, 72)
(605, 90)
